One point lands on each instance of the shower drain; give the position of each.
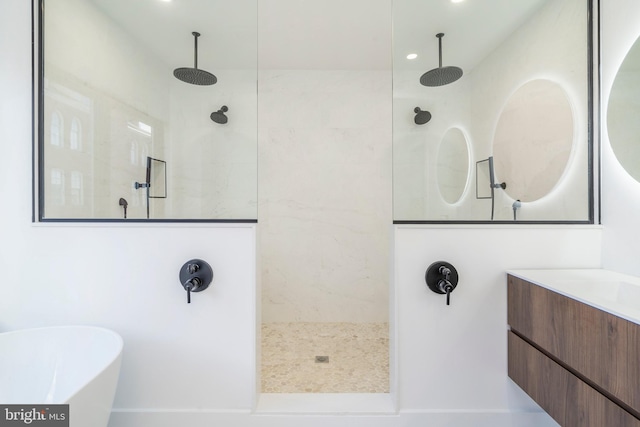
(322, 359)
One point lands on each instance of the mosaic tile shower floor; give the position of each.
(358, 357)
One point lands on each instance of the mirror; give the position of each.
(453, 165)
(622, 113)
(115, 95)
(484, 180)
(157, 178)
(496, 54)
(533, 140)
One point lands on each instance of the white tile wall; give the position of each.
(325, 195)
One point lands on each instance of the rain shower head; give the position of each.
(421, 117)
(219, 116)
(442, 75)
(195, 76)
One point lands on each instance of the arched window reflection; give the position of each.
(75, 136)
(77, 194)
(57, 187)
(144, 155)
(57, 129)
(135, 195)
(133, 153)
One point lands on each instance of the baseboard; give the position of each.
(172, 418)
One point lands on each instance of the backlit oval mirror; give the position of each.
(533, 140)
(623, 111)
(453, 165)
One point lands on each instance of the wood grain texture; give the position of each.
(633, 365)
(601, 348)
(566, 398)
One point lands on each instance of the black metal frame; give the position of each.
(38, 137)
(150, 161)
(483, 197)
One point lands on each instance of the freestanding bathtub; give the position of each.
(76, 365)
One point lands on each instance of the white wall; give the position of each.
(455, 357)
(620, 192)
(325, 195)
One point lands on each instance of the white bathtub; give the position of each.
(78, 365)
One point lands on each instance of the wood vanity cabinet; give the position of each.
(579, 363)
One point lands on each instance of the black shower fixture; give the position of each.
(195, 76)
(421, 117)
(219, 117)
(123, 202)
(442, 75)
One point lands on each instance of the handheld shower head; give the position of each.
(123, 202)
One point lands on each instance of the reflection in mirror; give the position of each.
(453, 165)
(533, 140)
(483, 179)
(499, 53)
(623, 111)
(109, 100)
(155, 184)
(486, 184)
(157, 178)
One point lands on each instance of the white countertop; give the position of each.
(615, 293)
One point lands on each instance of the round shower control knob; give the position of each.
(442, 278)
(195, 276)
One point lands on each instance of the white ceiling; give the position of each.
(473, 29)
(319, 34)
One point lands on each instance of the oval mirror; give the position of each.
(533, 140)
(622, 113)
(453, 165)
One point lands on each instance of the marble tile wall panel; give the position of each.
(324, 195)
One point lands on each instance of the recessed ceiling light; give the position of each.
(457, 1)
(412, 56)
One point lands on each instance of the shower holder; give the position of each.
(195, 276)
(442, 278)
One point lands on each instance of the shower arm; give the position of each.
(440, 35)
(195, 49)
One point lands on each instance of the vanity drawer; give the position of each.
(599, 347)
(565, 397)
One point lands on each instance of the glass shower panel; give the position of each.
(110, 98)
(497, 55)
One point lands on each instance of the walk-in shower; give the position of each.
(325, 208)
